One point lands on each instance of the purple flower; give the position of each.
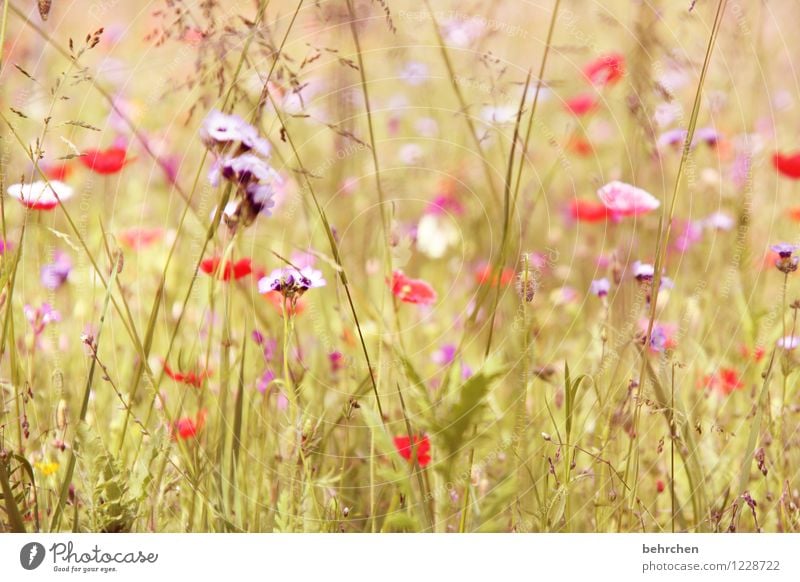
(692, 233)
(785, 250)
(672, 138)
(643, 271)
(56, 273)
(600, 287)
(706, 135)
(220, 129)
(789, 342)
(719, 221)
(291, 282)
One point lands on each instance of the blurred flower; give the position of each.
(787, 165)
(499, 114)
(337, 361)
(55, 274)
(672, 138)
(421, 449)
(40, 317)
(627, 200)
(414, 291)
(220, 130)
(691, 234)
(105, 162)
(47, 468)
(756, 354)
(588, 211)
(605, 70)
(600, 287)
(138, 238)
(192, 378)
(719, 221)
(187, 427)
(643, 271)
(40, 195)
(581, 104)
(706, 135)
(265, 380)
(436, 234)
(237, 270)
(414, 73)
(445, 355)
(787, 262)
(789, 342)
(290, 282)
(725, 381)
(485, 275)
(60, 172)
(410, 154)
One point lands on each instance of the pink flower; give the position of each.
(627, 200)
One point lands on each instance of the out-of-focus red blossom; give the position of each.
(237, 270)
(660, 486)
(137, 238)
(188, 427)
(60, 172)
(410, 290)
(484, 276)
(422, 446)
(190, 378)
(281, 303)
(605, 70)
(107, 161)
(588, 211)
(794, 213)
(581, 104)
(580, 146)
(787, 164)
(756, 354)
(725, 381)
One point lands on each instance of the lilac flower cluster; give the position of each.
(241, 160)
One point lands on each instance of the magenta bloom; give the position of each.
(55, 274)
(627, 200)
(600, 287)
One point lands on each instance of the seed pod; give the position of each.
(61, 414)
(44, 8)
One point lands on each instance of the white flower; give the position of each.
(435, 235)
(40, 195)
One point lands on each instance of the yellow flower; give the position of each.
(46, 468)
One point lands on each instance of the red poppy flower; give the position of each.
(580, 146)
(588, 211)
(484, 276)
(60, 172)
(787, 164)
(414, 291)
(756, 354)
(108, 161)
(581, 104)
(422, 447)
(239, 269)
(724, 381)
(190, 378)
(660, 486)
(605, 70)
(188, 427)
(139, 238)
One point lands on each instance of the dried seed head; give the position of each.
(61, 414)
(44, 8)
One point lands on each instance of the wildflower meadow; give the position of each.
(399, 266)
